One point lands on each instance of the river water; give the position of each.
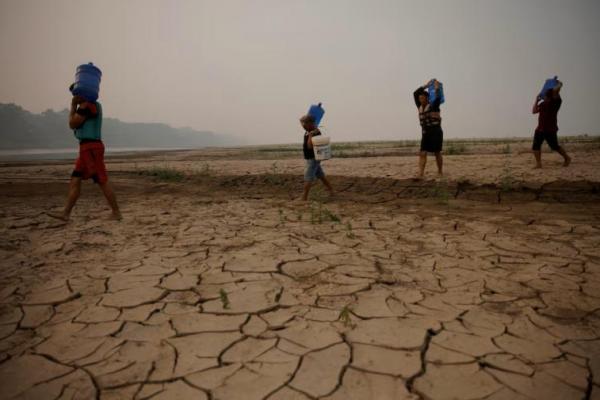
(66, 153)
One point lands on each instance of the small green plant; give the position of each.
(345, 317)
(299, 215)
(319, 214)
(163, 174)
(462, 180)
(506, 149)
(349, 233)
(331, 216)
(281, 216)
(507, 182)
(224, 298)
(455, 149)
(273, 176)
(316, 212)
(205, 170)
(440, 191)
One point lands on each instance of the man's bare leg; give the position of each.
(74, 192)
(563, 153)
(422, 163)
(440, 162)
(327, 185)
(538, 158)
(307, 186)
(112, 200)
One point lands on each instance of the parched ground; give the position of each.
(221, 287)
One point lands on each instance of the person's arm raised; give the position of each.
(556, 90)
(536, 105)
(416, 95)
(75, 119)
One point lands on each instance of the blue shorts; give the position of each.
(313, 170)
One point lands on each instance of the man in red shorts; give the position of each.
(85, 118)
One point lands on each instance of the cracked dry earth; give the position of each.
(205, 294)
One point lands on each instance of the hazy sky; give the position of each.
(251, 67)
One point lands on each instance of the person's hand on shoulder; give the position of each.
(76, 100)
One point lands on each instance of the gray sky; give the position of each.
(251, 68)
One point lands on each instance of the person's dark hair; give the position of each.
(308, 118)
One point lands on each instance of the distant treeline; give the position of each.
(21, 129)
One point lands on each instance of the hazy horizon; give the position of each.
(250, 69)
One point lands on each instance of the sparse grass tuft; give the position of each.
(462, 180)
(331, 216)
(163, 174)
(345, 317)
(224, 298)
(506, 149)
(205, 170)
(316, 212)
(455, 149)
(274, 176)
(440, 191)
(349, 233)
(507, 182)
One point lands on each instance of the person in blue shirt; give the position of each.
(85, 118)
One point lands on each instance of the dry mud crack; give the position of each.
(209, 291)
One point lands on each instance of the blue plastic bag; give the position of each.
(316, 111)
(548, 85)
(433, 94)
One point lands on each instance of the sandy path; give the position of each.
(224, 292)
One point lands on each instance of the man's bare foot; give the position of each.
(115, 217)
(538, 166)
(61, 216)
(419, 177)
(567, 161)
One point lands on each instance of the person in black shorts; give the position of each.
(431, 125)
(547, 129)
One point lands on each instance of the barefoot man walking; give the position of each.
(547, 128)
(85, 118)
(313, 169)
(431, 126)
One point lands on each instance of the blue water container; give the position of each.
(433, 95)
(317, 112)
(549, 85)
(87, 82)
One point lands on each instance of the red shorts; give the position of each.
(90, 163)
